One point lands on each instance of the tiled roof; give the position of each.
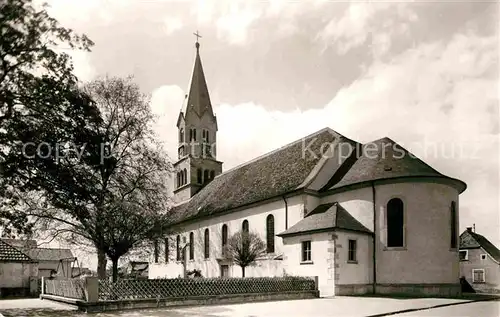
(472, 240)
(10, 254)
(385, 159)
(49, 254)
(271, 175)
(288, 169)
(325, 217)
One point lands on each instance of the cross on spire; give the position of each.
(197, 36)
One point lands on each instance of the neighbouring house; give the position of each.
(16, 270)
(81, 271)
(479, 262)
(364, 218)
(49, 259)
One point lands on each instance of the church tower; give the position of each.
(197, 134)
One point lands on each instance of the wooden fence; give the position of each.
(68, 288)
(187, 288)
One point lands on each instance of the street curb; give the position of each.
(432, 307)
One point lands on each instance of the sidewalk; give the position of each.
(33, 307)
(322, 307)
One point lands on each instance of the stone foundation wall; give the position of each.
(172, 302)
(419, 289)
(353, 289)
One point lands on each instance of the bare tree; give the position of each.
(244, 248)
(111, 192)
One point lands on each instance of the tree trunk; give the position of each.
(115, 269)
(101, 264)
(242, 271)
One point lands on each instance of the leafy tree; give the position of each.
(78, 164)
(244, 248)
(38, 96)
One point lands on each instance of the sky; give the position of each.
(423, 73)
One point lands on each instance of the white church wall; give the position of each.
(256, 217)
(360, 272)
(164, 270)
(311, 202)
(427, 256)
(319, 265)
(358, 202)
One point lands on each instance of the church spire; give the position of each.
(197, 163)
(197, 100)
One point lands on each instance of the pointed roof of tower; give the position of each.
(197, 100)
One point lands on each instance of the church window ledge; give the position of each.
(352, 262)
(306, 262)
(395, 249)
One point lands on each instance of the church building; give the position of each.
(364, 218)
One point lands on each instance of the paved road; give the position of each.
(478, 309)
(323, 307)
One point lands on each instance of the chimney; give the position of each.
(474, 227)
(469, 229)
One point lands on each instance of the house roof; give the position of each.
(10, 254)
(472, 240)
(49, 254)
(270, 175)
(385, 159)
(140, 266)
(325, 217)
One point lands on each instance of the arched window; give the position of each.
(185, 177)
(178, 255)
(224, 238)
(205, 176)
(205, 136)
(453, 226)
(191, 246)
(212, 174)
(395, 223)
(199, 176)
(181, 135)
(244, 226)
(156, 251)
(167, 250)
(207, 244)
(270, 233)
(178, 179)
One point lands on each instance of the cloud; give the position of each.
(76, 11)
(439, 100)
(361, 22)
(235, 21)
(172, 24)
(166, 103)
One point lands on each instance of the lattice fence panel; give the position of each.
(71, 288)
(168, 288)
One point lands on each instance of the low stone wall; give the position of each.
(446, 290)
(103, 306)
(99, 296)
